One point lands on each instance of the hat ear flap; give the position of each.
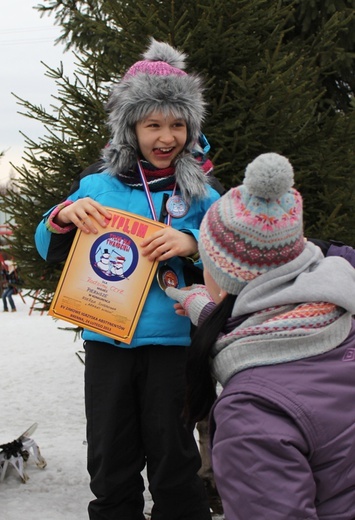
(190, 177)
(119, 158)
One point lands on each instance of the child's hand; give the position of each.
(168, 242)
(78, 213)
(179, 309)
(191, 300)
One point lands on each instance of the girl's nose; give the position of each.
(166, 136)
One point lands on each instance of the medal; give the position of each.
(167, 277)
(176, 206)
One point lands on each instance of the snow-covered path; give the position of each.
(42, 381)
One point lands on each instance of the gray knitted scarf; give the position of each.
(301, 309)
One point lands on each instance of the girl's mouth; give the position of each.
(163, 151)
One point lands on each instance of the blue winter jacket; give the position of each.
(158, 324)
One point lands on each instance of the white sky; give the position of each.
(26, 39)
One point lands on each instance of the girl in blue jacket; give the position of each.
(154, 166)
(276, 330)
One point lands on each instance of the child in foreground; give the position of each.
(275, 328)
(155, 167)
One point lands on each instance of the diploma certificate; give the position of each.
(105, 280)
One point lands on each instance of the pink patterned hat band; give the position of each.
(156, 68)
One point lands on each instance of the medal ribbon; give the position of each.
(149, 196)
(165, 275)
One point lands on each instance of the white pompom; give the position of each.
(161, 51)
(269, 176)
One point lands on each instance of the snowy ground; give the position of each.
(42, 382)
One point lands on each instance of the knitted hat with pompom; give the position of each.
(255, 227)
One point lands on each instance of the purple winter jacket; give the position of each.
(283, 439)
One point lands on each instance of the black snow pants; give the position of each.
(133, 400)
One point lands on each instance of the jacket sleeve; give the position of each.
(342, 250)
(53, 247)
(335, 248)
(259, 459)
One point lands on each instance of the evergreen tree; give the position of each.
(336, 57)
(280, 77)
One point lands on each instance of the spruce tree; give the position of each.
(279, 76)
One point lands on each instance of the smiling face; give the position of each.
(161, 138)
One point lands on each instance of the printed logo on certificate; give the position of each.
(105, 280)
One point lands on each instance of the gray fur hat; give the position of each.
(157, 83)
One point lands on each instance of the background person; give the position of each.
(11, 280)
